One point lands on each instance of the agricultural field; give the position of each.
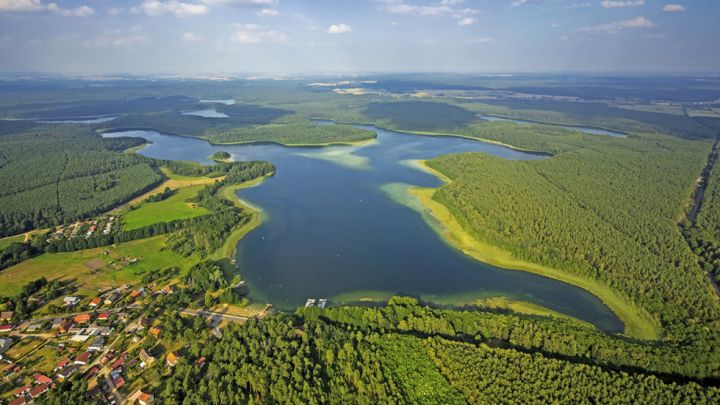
(172, 208)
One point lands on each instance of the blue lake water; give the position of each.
(587, 130)
(332, 230)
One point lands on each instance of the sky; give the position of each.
(356, 36)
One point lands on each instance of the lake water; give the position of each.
(332, 228)
(79, 120)
(587, 130)
(228, 101)
(207, 113)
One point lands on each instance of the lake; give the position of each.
(333, 228)
(581, 128)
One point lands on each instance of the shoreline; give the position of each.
(362, 142)
(637, 322)
(228, 250)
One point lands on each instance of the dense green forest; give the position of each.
(591, 210)
(309, 358)
(54, 174)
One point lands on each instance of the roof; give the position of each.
(38, 390)
(18, 401)
(145, 397)
(103, 315)
(22, 390)
(6, 328)
(64, 362)
(172, 358)
(82, 318)
(42, 378)
(154, 331)
(83, 357)
(118, 381)
(71, 299)
(6, 315)
(96, 301)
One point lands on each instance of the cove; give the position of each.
(333, 227)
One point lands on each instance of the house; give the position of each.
(97, 344)
(23, 390)
(57, 322)
(95, 302)
(135, 294)
(66, 326)
(110, 299)
(144, 322)
(167, 290)
(68, 371)
(118, 381)
(33, 327)
(71, 301)
(39, 390)
(82, 358)
(172, 359)
(80, 338)
(155, 331)
(118, 363)
(201, 362)
(145, 398)
(5, 344)
(62, 363)
(18, 401)
(6, 315)
(146, 357)
(91, 373)
(42, 379)
(82, 318)
(6, 328)
(103, 316)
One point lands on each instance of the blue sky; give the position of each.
(307, 36)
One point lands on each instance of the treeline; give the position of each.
(601, 208)
(55, 174)
(163, 195)
(41, 289)
(291, 134)
(308, 358)
(551, 336)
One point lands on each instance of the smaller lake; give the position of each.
(79, 120)
(228, 101)
(206, 113)
(587, 130)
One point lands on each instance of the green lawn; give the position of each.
(74, 266)
(166, 210)
(5, 242)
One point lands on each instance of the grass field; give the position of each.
(5, 242)
(637, 322)
(75, 266)
(172, 208)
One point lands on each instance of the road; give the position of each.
(215, 315)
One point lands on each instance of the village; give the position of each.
(103, 225)
(114, 341)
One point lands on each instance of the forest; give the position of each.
(55, 174)
(308, 358)
(614, 225)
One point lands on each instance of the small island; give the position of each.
(221, 157)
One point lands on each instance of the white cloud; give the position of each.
(339, 29)
(483, 40)
(268, 12)
(516, 3)
(466, 21)
(427, 10)
(29, 6)
(673, 8)
(191, 37)
(179, 9)
(579, 5)
(617, 26)
(117, 38)
(82, 11)
(240, 3)
(253, 34)
(116, 11)
(622, 4)
(21, 5)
